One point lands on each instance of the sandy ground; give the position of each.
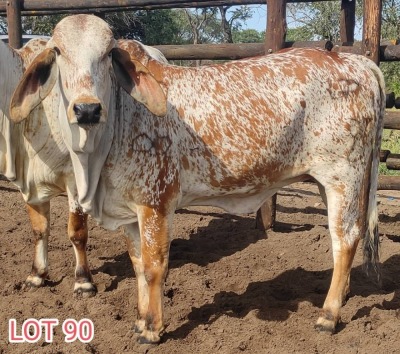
(230, 289)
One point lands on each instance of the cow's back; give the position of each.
(236, 133)
(255, 125)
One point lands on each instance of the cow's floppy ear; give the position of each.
(136, 79)
(35, 85)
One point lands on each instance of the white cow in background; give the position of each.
(230, 136)
(34, 157)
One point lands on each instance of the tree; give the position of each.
(40, 24)
(3, 26)
(301, 33)
(391, 19)
(237, 17)
(320, 20)
(391, 31)
(125, 24)
(160, 27)
(215, 25)
(248, 36)
(198, 20)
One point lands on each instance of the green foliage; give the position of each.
(150, 27)
(318, 20)
(40, 24)
(301, 33)
(239, 16)
(160, 27)
(248, 36)
(391, 19)
(391, 72)
(214, 25)
(391, 31)
(391, 142)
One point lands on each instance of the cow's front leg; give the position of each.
(155, 227)
(78, 235)
(133, 242)
(39, 216)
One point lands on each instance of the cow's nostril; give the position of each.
(87, 113)
(77, 109)
(97, 109)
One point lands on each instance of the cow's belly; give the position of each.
(240, 200)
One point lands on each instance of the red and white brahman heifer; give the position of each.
(230, 135)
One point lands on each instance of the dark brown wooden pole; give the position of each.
(372, 29)
(274, 41)
(347, 21)
(14, 23)
(276, 26)
(266, 215)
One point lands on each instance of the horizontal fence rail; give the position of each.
(227, 51)
(389, 183)
(35, 7)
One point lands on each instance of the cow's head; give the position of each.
(77, 63)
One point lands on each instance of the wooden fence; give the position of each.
(370, 45)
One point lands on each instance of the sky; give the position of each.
(259, 19)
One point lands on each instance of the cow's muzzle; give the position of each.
(87, 113)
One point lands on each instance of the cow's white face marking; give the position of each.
(84, 64)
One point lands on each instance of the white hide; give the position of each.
(32, 154)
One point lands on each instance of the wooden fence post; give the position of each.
(14, 23)
(276, 26)
(274, 41)
(347, 21)
(372, 29)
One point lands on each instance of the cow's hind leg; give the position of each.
(78, 235)
(39, 216)
(347, 212)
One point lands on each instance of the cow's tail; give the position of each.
(371, 238)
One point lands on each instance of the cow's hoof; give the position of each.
(85, 290)
(144, 340)
(33, 282)
(326, 324)
(148, 337)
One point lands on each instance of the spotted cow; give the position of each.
(34, 157)
(228, 135)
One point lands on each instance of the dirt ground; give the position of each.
(230, 289)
